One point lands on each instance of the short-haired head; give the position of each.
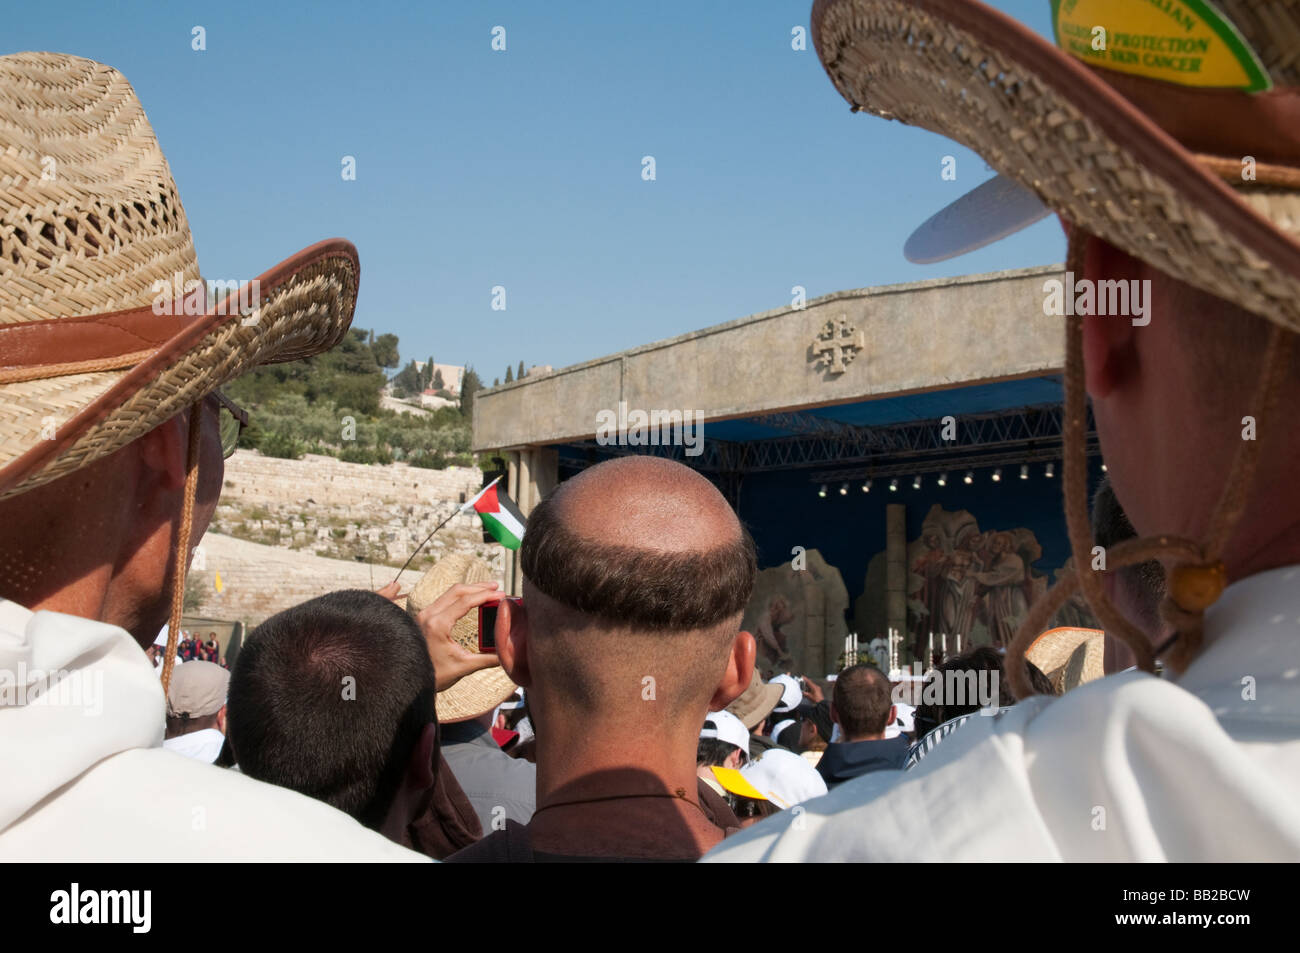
(862, 700)
(330, 699)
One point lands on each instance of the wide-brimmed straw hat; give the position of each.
(1149, 143)
(1069, 656)
(756, 702)
(94, 244)
(479, 692)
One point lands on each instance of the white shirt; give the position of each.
(1128, 768)
(202, 745)
(86, 777)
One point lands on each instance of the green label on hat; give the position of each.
(1188, 42)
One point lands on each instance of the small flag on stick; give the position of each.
(500, 516)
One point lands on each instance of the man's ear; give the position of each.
(835, 718)
(1109, 354)
(164, 452)
(512, 641)
(893, 714)
(737, 674)
(221, 719)
(420, 772)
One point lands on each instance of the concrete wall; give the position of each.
(923, 336)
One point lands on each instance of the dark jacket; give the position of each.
(844, 761)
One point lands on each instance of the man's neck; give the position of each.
(611, 792)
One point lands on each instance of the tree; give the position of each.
(428, 373)
(407, 381)
(520, 374)
(438, 383)
(384, 348)
(509, 375)
(469, 384)
(496, 382)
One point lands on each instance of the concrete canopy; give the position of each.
(851, 347)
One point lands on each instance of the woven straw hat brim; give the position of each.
(972, 74)
(480, 692)
(105, 327)
(307, 303)
(1069, 656)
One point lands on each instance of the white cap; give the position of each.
(780, 727)
(784, 778)
(791, 693)
(725, 726)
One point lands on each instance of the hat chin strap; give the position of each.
(1195, 575)
(183, 544)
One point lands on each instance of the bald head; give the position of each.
(646, 503)
(641, 542)
(637, 567)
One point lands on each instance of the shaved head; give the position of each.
(636, 567)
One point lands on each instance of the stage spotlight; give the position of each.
(969, 477)
(893, 485)
(844, 490)
(1024, 471)
(916, 482)
(1104, 468)
(822, 491)
(997, 475)
(866, 487)
(1051, 471)
(943, 479)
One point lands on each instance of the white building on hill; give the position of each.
(453, 375)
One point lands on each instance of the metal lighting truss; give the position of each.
(1002, 438)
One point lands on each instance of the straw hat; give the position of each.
(1069, 656)
(90, 221)
(479, 692)
(756, 702)
(1135, 154)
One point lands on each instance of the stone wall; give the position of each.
(251, 476)
(289, 530)
(258, 581)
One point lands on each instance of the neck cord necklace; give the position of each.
(679, 796)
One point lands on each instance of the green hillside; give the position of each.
(330, 404)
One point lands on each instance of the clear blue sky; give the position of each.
(478, 168)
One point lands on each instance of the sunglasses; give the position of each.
(231, 420)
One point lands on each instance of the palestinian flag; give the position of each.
(500, 516)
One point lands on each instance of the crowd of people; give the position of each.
(356, 726)
(190, 648)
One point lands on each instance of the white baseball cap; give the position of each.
(725, 726)
(780, 727)
(791, 693)
(779, 776)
